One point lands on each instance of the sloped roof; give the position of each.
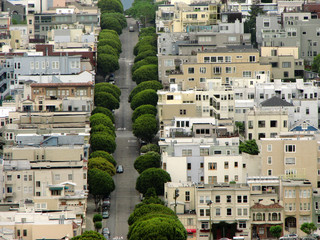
(275, 102)
(260, 206)
(303, 126)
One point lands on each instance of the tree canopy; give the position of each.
(144, 109)
(89, 235)
(144, 209)
(145, 73)
(100, 87)
(276, 231)
(102, 141)
(146, 61)
(146, 161)
(144, 54)
(107, 49)
(104, 155)
(120, 17)
(100, 128)
(155, 85)
(152, 177)
(143, 10)
(308, 228)
(145, 97)
(111, 42)
(105, 111)
(108, 22)
(100, 184)
(110, 6)
(145, 127)
(150, 147)
(108, 89)
(107, 63)
(146, 40)
(106, 100)
(316, 64)
(100, 118)
(102, 164)
(250, 147)
(250, 25)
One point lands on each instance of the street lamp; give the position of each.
(209, 204)
(176, 195)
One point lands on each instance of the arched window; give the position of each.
(274, 217)
(259, 217)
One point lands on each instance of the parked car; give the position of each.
(120, 169)
(105, 214)
(131, 29)
(106, 231)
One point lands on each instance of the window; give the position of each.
(25, 178)
(269, 172)
(9, 177)
(25, 233)
(226, 165)
(261, 124)
(38, 184)
(201, 212)
(169, 97)
(228, 199)
(55, 65)
(217, 70)
(286, 64)
(269, 147)
(212, 166)
(246, 74)
(252, 58)
(285, 123)
(186, 152)
(69, 177)
(183, 111)
(217, 199)
(204, 151)
(191, 70)
(245, 198)
(218, 211)
(189, 166)
(239, 199)
(273, 123)
(30, 177)
(203, 69)
(208, 212)
(307, 111)
(242, 224)
(204, 225)
(191, 79)
(31, 65)
(269, 160)
(226, 178)
(227, 59)
(229, 211)
(290, 148)
(228, 70)
(187, 196)
(291, 160)
(239, 211)
(274, 52)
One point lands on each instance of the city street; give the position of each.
(125, 197)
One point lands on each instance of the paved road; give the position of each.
(125, 197)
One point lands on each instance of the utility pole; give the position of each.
(209, 204)
(176, 195)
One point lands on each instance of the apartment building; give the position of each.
(225, 207)
(222, 63)
(291, 157)
(269, 120)
(285, 62)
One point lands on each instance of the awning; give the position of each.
(190, 231)
(55, 188)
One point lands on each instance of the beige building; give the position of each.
(199, 205)
(285, 61)
(291, 156)
(221, 63)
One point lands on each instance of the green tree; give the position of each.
(111, 23)
(240, 127)
(108, 89)
(120, 17)
(100, 184)
(146, 61)
(106, 34)
(97, 218)
(107, 49)
(107, 63)
(102, 164)
(157, 227)
(98, 226)
(155, 85)
(145, 73)
(276, 231)
(8, 98)
(102, 141)
(145, 127)
(104, 155)
(250, 147)
(145, 48)
(102, 129)
(144, 209)
(144, 109)
(146, 40)
(101, 87)
(105, 111)
(150, 147)
(250, 25)
(144, 54)
(144, 10)
(148, 31)
(146, 161)
(316, 64)
(100, 118)
(152, 177)
(89, 235)
(111, 42)
(145, 97)
(308, 228)
(150, 197)
(106, 100)
(110, 6)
